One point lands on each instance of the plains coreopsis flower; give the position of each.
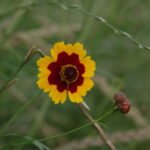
(66, 73)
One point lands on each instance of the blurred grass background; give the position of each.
(120, 65)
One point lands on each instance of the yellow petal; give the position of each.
(43, 73)
(44, 84)
(57, 97)
(90, 66)
(57, 48)
(86, 86)
(44, 61)
(75, 97)
(76, 48)
(69, 49)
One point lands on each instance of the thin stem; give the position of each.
(81, 127)
(104, 21)
(12, 77)
(28, 56)
(28, 102)
(107, 114)
(11, 11)
(86, 13)
(38, 120)
(19, 15)
(97, 127)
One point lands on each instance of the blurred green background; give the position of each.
(121, 65)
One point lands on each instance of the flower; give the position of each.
(66, 73)
(122, 102)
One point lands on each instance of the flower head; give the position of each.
(66, 73)
(122, 102)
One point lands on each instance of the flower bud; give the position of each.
(122, 102)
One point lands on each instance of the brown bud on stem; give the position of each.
(122, 102)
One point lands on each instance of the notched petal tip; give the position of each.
(59, 44)
(78, 44)
(44, 61)
(75, 97)
(90, 66)
(56, 96)
(85, 87)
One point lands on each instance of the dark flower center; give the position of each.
(69, 73)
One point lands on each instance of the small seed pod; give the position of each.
(122, 102)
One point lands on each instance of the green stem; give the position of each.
(39, 118)
(97, 127)
(81, 127)
(107, 114)
(85, 13)
(18, 113)
(88, 24)
(12, 77)
(28, 56)
(19, 15)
